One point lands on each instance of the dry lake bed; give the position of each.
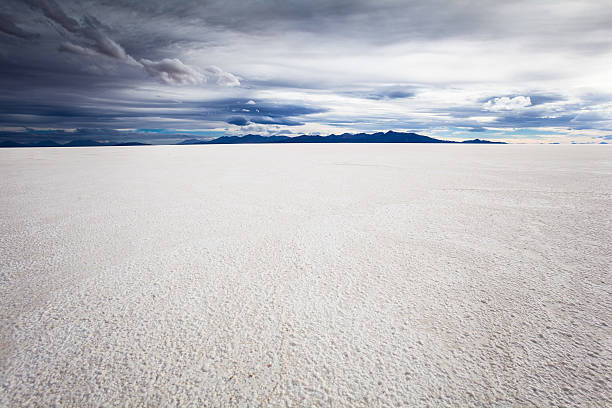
(306, 275)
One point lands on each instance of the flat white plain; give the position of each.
(306, 275)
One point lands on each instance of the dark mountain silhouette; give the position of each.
(10, 143)
(83, 142)
(379, 137)
(130, 144)
(482, 141)
(247, 139)
(73, 143)
(190, 141)
(46, 143)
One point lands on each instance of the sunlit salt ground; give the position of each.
(306, 275)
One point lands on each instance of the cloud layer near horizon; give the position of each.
(515, 70)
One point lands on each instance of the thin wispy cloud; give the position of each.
(172, 71)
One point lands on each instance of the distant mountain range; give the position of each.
(73, 143)
(379, 137)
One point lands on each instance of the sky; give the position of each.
(161, 71)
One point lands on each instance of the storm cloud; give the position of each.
(9, 26)
(227, 67)
(90, 31)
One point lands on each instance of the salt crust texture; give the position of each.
(306, 275)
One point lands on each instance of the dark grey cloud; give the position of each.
(101, 43)
(76, 49)
(531, 121)
(276, 110)
(238, 120)
(267, 120)
(8, 25)
(543, 99)
(55, 13)
(109, 113)
(389, 21)
(90, 32)
(397, 94)
(387, 92)
(267, 114)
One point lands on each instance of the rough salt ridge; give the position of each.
(306, 275)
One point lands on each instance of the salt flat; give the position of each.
(306, 275)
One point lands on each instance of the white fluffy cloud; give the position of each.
(505, 103)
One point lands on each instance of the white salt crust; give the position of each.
(306, 275)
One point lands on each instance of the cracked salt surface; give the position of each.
(306, 275)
